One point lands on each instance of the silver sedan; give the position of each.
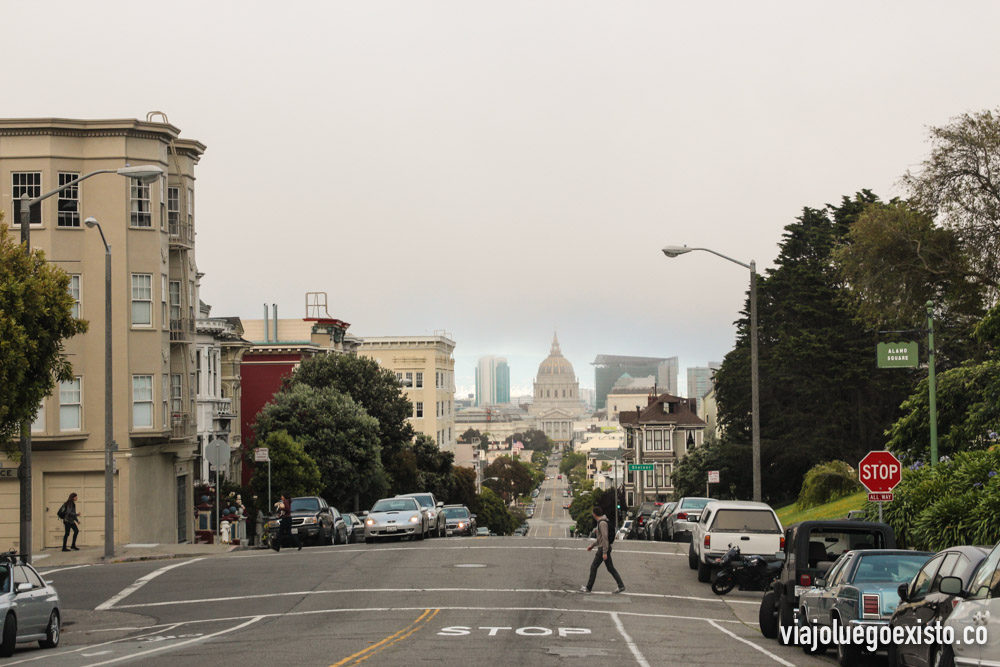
(395, 517)
(29, 607)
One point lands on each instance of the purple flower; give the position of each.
(977, 484)
(993, 473)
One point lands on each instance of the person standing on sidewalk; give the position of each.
(603, 544)
(70, 518)
(285, 524)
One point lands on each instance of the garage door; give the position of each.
(89, 487)
(10, 521)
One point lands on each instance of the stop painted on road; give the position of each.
(497, 630)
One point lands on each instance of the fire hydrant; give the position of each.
(226, 536)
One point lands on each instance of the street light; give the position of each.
(109, 443)
(144, 174)
(675, 251)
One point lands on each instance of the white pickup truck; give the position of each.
(753, 527)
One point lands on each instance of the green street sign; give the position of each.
(898, 355)
(640, 467)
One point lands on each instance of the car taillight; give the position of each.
(683, 516)
(869, 603)
(805, 580)
(708, 541)
(955, 601)
(781, 544)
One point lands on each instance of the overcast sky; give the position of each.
(502, 170)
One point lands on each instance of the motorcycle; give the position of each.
(750, 573)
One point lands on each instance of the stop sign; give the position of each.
(880, 472)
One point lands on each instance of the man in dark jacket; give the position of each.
(69, 517)
(603, 544)
(285, 524)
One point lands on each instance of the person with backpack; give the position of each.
(605, 537)
(68, 515)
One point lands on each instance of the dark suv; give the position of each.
(460, 521)
(809, 551)
(314, 520)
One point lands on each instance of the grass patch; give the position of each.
(836, 509)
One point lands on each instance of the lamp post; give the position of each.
(143, 174)
(674, 251)
(109, 442)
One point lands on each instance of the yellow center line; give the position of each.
(418, 627)
(389, 638)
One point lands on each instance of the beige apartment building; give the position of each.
(151, 231)
(426, 369)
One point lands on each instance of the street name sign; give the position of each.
(898, 355)
(640, 467)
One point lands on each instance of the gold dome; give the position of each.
(555, 363)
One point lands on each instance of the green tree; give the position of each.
(463, 487)
(374, 388)
(819, 396)
(434, 467)
(960, 183)
(535, 439)
(292, 470)
(828, 481)
(730, 458)
(338, 434)
(492, 512)
(571, 460)
(36, 316)
(513, 478)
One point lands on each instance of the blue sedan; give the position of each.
(861, 588)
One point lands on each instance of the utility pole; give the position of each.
(25, 468)
(931, 382)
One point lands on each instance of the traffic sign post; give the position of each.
(713, 478)
(261, 454)
(880, 472)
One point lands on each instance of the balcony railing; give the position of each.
(182, 426)
(222, 408)
(181, 330)
(180, 233)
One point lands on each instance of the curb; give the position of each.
(139, 559)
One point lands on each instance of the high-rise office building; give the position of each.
(700, 381)
(608, 368)
(492, 381)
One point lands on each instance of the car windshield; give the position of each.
(745, 521)
(395, 505)
(693, 503)
(888, 568)
(305, 505)
(4, 579)
(456, 513)
(425, 501)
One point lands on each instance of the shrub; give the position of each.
(827, 481)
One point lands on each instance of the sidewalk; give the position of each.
(125, 553)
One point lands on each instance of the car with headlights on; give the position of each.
(29, 606)
(436, 523)
(861, 589)
(395, 517)
(313, 520)
(460, 521)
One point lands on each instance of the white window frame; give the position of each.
(668, 440)
(142, 294)
(173, 210)
(165, 323)
(38, 425)
(419, 380)
(175, 304)
(74, 291)
(418, 410)
(69, 195)
(140, 205)
(31, 181)
(74, 390)
(176, 393)
(165, 398)
(142, 397)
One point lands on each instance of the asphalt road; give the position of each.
(454, 601)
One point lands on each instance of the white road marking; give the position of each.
(169, 647)
(260, 596)
(139, 583)
(44, 654)
(778, 659)
(61, 569)
(93, 655)
(342, 550)
(628, 640)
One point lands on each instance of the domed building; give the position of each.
(556, 403)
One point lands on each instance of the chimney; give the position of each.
(267, 333)
(274, 307)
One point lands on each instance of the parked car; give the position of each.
(642, 514)
(681, 520)
(979, 607)
(625, 529)
(724, 523)
(436, 523)
(395, 517)
(313, 520)
(656, 523)
(29, 606)
(861, 589)
(482, 531)
(810, 548)
(922, 603)
(355, 528)
(459, 520)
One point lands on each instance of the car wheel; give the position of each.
(692, 558)
(443, 531)
(892, 656)
(9, 636)
(807, 648)
(51, 632)
(945, 657)
(848, 655)
(786, 619)
(767, 617)
(704, 572)
(420, 535)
